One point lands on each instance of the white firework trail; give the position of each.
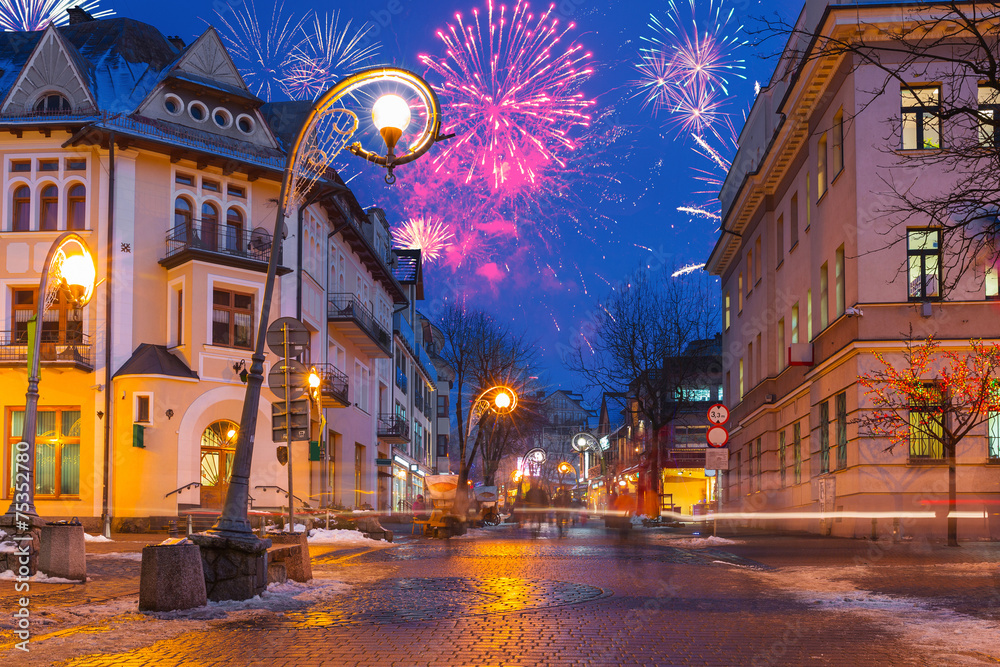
(684, 270)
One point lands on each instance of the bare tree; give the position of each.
(931, 402)
(647, 342)
(949, 183)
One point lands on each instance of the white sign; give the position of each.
(717, 459)
(717, 436)
(718, 414)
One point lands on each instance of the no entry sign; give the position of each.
(717, 436)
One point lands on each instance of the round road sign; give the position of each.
(293, 330)
(297, 378)
(718, 414)
(717, 436)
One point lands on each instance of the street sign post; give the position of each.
(717, 436)
(718, 414)
(716, 459)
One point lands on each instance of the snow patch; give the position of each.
(341, 536)
(286, 596)
(39, 577)
(695, 542)
(95, 538)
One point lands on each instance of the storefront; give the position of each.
(400, 499)
(686, 488)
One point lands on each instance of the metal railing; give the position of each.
(332, 381)
(393, 426)
(220, 239)
(346, 306)
(183, 488)
(64, 346)
(401, 380)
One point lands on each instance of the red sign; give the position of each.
(717, 436)
(718, 414)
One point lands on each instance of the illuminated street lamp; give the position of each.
(499, 399)
(70, 270)
(326, 131)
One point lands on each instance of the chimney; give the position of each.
(79, 15)
(177, 42)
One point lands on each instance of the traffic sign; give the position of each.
(718, 414)
(296, 332)
(717, 436)
(717, 459)
(297, 378)
(298, 423)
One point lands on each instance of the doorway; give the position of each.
(218, 447)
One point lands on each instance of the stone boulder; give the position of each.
(171, 577)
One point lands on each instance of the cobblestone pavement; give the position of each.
(502, 598)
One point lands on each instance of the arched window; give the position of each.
(52, 103)
(218, 447)
(234, 230)
(22, 209)
(48, 217)
(183, 221)
(76, 213)
(209, 225)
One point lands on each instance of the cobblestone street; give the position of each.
(499, 597)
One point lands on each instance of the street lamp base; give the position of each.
(235, 566)
(23, 560)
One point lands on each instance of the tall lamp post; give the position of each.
(69, 270)
(321, 138)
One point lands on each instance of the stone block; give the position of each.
(297, 561)
(276, 572)
(63, 552)
(171, 578)
(21, 555)
(234, 568)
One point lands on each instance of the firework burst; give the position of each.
(515, 92)
(31, 15)
(262, 52)
(428, 235)
(326, 54)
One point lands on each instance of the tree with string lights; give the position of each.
(932, 401)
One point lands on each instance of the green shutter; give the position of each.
(314, 450)
(138, 433)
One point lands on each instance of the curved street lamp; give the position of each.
(325, 132)
(499, 398)
(69, 270)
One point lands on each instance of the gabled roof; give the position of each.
(155, 360)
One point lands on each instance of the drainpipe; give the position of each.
(106, 509)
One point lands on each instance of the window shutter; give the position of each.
(138, 435)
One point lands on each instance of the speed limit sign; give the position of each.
(718, 414)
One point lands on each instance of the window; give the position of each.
(76, 165)
(993, 436)
(184, 179)
(359, 466)
(781, 458)
(218, 449)
(821, 167)
(20, 166)
(760, 473)
(795, 323)
(172, 104)
(926, 423)
(245, 124)
(824, 437)
(222, 117)
(824, 296)
(757, 256)
(809, 315)
(209, 185)
(750, 472)
(234, 230)
(779, 239)
(782, 354)
(179, 332)
(921, 124)
(808, 202)
(841, 294)
(797, 450)
(237, 191)
(232, 319)
(57, 450)
(48, 217)
(76, 210)
(741, 379)
(759, 364)
(48, 165)
(727, 306)
(739, 473)
(750, 281)
(62, 324)
(209, 225)
(198, 111)
(141, 409)
(442, 445)
(442, 406)
(793, 222)
(183, 219)
(739, 293)
(837, 152)
(52, 103)
(362, 386)
(21, 211)
(923, 255)
(989, 103)
(840, 405)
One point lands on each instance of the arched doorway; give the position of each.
(218, 446)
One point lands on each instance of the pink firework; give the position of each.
(428, 235)
(512, 88)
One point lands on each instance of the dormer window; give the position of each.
(52, 103)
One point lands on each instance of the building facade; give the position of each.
(815, 280)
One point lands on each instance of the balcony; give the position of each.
(393, 429)
(58, 348)
(401, 380)
(333, 386)
(228, 245)
(352, 319)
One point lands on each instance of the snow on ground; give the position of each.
(288, 596)
(345, 537)
(934, 629)
(95, 538)
(39, 577)
(692, 542)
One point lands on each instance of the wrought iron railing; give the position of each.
(401, 380)
(341, 306)
(393, 426)
(64, 346)
(332, 381)
(418, 400)
(212, 237)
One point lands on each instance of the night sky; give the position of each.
(618, 206)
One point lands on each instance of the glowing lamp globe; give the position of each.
(391, 115)
(78, 276)
(314, 380)
(502, 400)
(230, 433)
